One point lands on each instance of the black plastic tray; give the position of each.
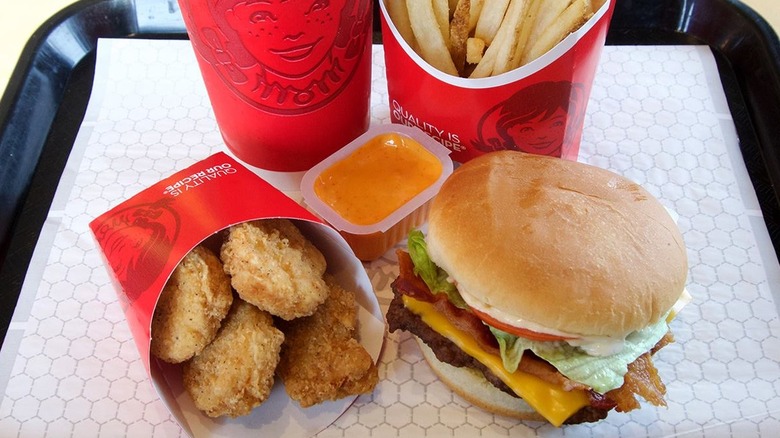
(46, 98)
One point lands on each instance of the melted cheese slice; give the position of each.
(551, 401)
(684, 299)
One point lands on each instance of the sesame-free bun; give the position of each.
(470, 385)
(561, 244)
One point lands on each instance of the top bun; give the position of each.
(562, 244)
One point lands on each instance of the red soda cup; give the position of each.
(289, 81)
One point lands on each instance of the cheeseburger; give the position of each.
(543, 288)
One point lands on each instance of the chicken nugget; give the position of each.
(191, 307)
(321, 359)
(273, 266)
(235, 373)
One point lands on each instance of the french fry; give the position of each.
(459, 33)
(399, 15)
(480, 38)
(432, 48)
(488, 61)
(475, 47)
(569, 20)
(589, 7)
(552, 9)
(511, 27)
(441, 10)
(531, 15)
(501, 48)
(474, 11)
(490, 20)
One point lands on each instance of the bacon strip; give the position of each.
(642, 379)
(408, 282)
(413, 286)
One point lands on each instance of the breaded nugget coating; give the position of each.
(191, 307)
(321, 360)
(235, 373)
(273, 266)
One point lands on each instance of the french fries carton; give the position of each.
(144, 238)
(484, 80)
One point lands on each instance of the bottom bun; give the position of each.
(470, 385)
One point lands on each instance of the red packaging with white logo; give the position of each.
(143, 239)
(537, 108)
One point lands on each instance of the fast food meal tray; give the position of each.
(47, 95)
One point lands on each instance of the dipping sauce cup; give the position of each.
(289, 81)
(377, 188)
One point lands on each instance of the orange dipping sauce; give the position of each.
(374, 190)
(377, 178)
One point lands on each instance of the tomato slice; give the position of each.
(517, 331)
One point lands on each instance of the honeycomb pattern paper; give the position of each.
(657, 115)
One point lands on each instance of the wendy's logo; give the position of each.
(282, 56)
(542, 119)
(137, 243)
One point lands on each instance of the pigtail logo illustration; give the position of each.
(266, 52)
(137, 242)
(540, 119)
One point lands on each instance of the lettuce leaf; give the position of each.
(602, 373)
(512, 348)
(432, 275)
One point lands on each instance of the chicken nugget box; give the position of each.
(143, 239)
(538, 107)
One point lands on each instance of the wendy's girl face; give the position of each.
(290, 37)
(540, 135)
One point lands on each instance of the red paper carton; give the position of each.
(143, 239)
(537, 108)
